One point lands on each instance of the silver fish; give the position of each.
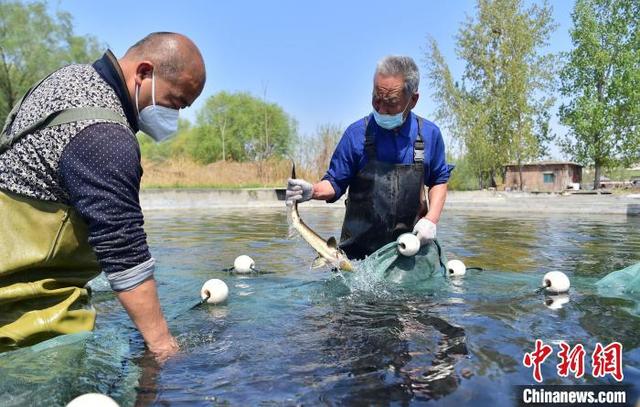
(328, 251)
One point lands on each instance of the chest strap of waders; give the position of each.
(418, 147)
(56, 118)
(370, 142)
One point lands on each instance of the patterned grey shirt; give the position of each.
(91, 165)
(30, 167)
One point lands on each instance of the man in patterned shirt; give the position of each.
(69, 190)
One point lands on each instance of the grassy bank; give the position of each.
(184, 173)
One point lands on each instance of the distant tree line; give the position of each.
(498, 112)
(230, 126)
(33, 44)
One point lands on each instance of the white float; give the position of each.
(408, 244)
(92, 400)
(244, 264)
(456, 268)
(556, 302)
(556, 282)
(216, 290)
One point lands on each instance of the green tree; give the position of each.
(463, 178)
(240, 127)
(34, 44)
(499, 111)
(161, 151)
(601, 80)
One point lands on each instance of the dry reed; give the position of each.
(184, 173)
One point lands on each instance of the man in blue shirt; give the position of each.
(385, 159)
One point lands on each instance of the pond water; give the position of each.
(309, 336)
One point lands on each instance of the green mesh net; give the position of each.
(388, 265)
(57, 370)
(622, 283)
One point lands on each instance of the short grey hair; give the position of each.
(397, 65)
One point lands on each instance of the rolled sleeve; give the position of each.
(437, 171)
(101, 172)
(129, 279)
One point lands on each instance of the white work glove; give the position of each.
(298, 190)
(425, 230)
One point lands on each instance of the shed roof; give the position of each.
(543, 163)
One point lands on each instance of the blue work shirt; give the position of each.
(393, 146)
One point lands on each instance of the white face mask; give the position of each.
(159, 122)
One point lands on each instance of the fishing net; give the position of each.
(426, 272)
(57, 370)
(622, 283)
(387, 264)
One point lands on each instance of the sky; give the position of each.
(314, 59)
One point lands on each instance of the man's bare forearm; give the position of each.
(143, 307)
(437, 197)
(323, 190)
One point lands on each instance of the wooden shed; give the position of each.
(544, 176)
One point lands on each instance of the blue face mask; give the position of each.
(159, 122)
(390, 121)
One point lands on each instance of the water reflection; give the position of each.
(296, 339)
(488, 243)
(302, 336)
(388, 352)
(606, 320)
(557, 301)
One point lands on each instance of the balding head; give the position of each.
(171, 53)
(171, 57)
